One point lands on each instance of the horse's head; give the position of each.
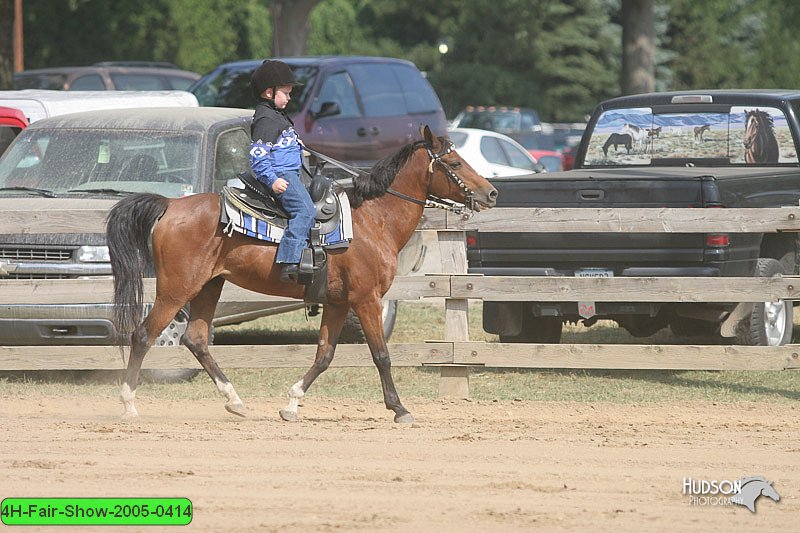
(452, 178)
(756, 123)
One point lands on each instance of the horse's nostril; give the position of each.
(493, 194)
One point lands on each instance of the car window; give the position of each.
(127, 160)
(338, 87)
(177, 83)
(137, 82)
(458, 138)
(89, 82)
(379, 89)
(418, 93)
(491, 150)
(231, 157)
(640, 136)
(7, 135)
(53, 82)
(516, 157)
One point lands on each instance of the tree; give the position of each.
(6, 44)
(291, 26)
(638, 47)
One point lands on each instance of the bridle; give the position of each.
(431, 200)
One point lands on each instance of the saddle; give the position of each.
(253, 211)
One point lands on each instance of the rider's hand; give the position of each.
(280, 186)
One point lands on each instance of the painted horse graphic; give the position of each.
(752, 488)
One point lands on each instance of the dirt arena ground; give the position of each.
(463, 466)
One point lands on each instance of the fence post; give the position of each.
(454, 380)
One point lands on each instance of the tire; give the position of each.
(171, 336)
(769, 323)
(352, 332)
(537, 330)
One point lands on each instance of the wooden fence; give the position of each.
(456, 353)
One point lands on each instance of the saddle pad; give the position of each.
(239, 217)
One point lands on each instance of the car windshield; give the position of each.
(640, 136)
(231, 88)
(102, 161)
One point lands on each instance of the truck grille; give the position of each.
(36, 254)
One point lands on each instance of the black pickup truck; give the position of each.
(701, 149)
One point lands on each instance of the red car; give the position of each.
(12, 121)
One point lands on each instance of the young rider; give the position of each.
(276, 159)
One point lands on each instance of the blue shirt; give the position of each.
(274, 144)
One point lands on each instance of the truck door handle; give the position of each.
(592, 195)
(361, 132)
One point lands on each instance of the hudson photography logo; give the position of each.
(744, 491)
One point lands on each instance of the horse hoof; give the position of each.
(406, 418)
(289, 416)
(237, 409)
(129, 417)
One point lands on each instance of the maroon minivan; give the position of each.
(355, 109)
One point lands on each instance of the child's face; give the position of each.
(282, 95)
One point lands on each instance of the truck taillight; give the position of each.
(721, 239)
(472, 239)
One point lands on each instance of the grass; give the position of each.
(417, 322)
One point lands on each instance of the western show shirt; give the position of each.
(274, 145)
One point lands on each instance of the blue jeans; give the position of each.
(297, 202)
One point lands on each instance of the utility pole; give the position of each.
(19, 64)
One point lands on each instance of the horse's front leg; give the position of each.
(333, 317)
(369, 313)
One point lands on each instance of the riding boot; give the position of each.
(289, 272)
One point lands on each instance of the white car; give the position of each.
(493, 154)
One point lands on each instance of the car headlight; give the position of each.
(93, 254)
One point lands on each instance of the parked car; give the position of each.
(87, 159)
(37, 104)
(354, 109)
(502, 119)
(493, 154)
(12, 122)
(541, 145)
(105, 77)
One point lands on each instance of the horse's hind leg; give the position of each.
(142, 339)
(201, 313)
(369, 314)
(333, 317)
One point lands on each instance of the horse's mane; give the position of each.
(766, 116)
(376, 182)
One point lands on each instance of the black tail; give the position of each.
(128, 234)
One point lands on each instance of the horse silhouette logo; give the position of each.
(752, 488)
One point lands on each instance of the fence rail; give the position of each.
(455, 354)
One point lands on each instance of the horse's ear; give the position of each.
(430, 139)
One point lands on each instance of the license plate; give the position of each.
(594, 273)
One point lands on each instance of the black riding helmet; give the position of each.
(271, 73)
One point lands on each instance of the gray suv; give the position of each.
(355, 109)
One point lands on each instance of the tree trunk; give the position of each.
(638, 47)
(6, 44)
(291, 26)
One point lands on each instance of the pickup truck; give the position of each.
(701, 149)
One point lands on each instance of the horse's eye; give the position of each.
(456, 165)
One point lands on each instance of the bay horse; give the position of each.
(760, 144)
(193, 259)
(617, 139)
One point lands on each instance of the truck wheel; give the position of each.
(770, 323)
(537, 330)
(352, 332)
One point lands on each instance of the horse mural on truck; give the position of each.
(740, 136)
